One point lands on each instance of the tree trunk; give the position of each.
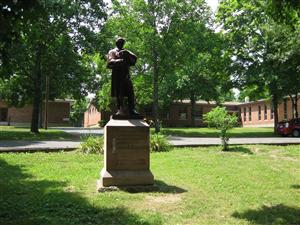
(275, 109)
(193, 109)
(155, 93)
(37, 92)
(155, 70)
(295, 105)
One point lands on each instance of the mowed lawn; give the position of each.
(23, 133)
(212, 132)
(248, 185)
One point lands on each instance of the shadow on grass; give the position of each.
(295, 186)
(240, 149)
(165, 188)
(24, 200)
(278, 214)
(158, 187)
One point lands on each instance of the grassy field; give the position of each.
(248, 185)
(23, 133)
(212, 132)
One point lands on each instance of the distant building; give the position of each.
(58, 113)
(261, 114)
(251, 114)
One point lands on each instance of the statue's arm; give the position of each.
(113, 60)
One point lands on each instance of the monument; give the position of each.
(126, 135)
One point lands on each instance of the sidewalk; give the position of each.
(48, 146)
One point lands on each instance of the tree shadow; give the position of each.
(240, 149)
(278, 214)
(295, 186)
(24, 200)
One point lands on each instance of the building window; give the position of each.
(250, 116)
(245, 114)
(285, 109)
(199, 114)
(259, 112)
(182, 113)
(266, 113)
(272, 112)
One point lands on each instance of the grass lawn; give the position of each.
(248, 185)
(23, 133)
(212, 132)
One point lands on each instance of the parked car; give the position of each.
(291, 127)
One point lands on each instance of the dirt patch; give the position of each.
(160, 203)
(165, 199)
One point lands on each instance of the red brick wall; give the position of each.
(255, 121)
(92, 116)
(58, 113)
(174, 114)
(268, 122)
(20, 115)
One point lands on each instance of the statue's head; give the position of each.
(120, 42)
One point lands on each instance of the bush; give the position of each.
(159, 143)
(92, 145)
(102, 123)
(223, 121)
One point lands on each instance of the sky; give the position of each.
(213, 4)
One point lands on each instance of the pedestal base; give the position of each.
(126, 155)
(126, 178)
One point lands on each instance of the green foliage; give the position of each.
(223, 121)
(264, 42)
(104, 99)
(77, 111)
(102, 123)
(51, 39)
(92, 145)
(159, 143)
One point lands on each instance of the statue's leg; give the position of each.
(131, 103)
(120, 105)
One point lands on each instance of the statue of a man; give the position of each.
(120, 60)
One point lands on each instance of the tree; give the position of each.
(77, 111)
(154, 30)
(55, 44)
(257, 43)
(221, 120)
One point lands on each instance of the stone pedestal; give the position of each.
(126, 154)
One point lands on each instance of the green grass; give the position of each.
(248, 185)
(23, 133)
(212, 132)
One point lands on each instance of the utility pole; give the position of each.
(46, 104)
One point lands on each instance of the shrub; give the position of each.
(102, 123)
(159, 143)
(93, 145)
(220, 119)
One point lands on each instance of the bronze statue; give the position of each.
(120, 60)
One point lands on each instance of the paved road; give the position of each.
(80, 131)
(19, 146)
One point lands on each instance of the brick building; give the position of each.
(257, 113)
(261, 113)
(58, 113)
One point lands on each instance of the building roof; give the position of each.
(187, 101)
